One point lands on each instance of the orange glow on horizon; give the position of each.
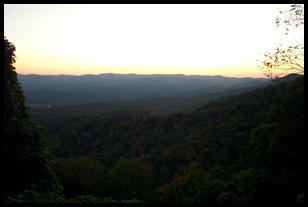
(77, 71)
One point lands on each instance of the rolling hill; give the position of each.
(248, 148)
(73, 90)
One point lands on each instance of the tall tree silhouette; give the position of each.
(27, 160)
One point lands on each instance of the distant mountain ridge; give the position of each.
(289, 77)
(68, 89)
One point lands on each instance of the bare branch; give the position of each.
(291, 59)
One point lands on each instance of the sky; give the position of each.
(193, 39)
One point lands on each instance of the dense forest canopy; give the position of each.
(247, 148)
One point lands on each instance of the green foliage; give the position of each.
(13, 98)
(200, 186)
(30, 196)
(27, 159)
(90, 199)
(300, 198)
(249, 148)
(93, 199)
(132, 178)
(81, 176)
(251, 181)
(264, 139)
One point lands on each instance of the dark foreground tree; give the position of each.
(27, 160)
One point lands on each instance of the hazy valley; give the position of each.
(106, 93)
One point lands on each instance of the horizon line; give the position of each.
(146, 74)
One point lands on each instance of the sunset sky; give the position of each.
(204, 39)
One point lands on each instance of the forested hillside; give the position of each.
(248, 148)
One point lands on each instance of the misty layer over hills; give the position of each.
(73, 90)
